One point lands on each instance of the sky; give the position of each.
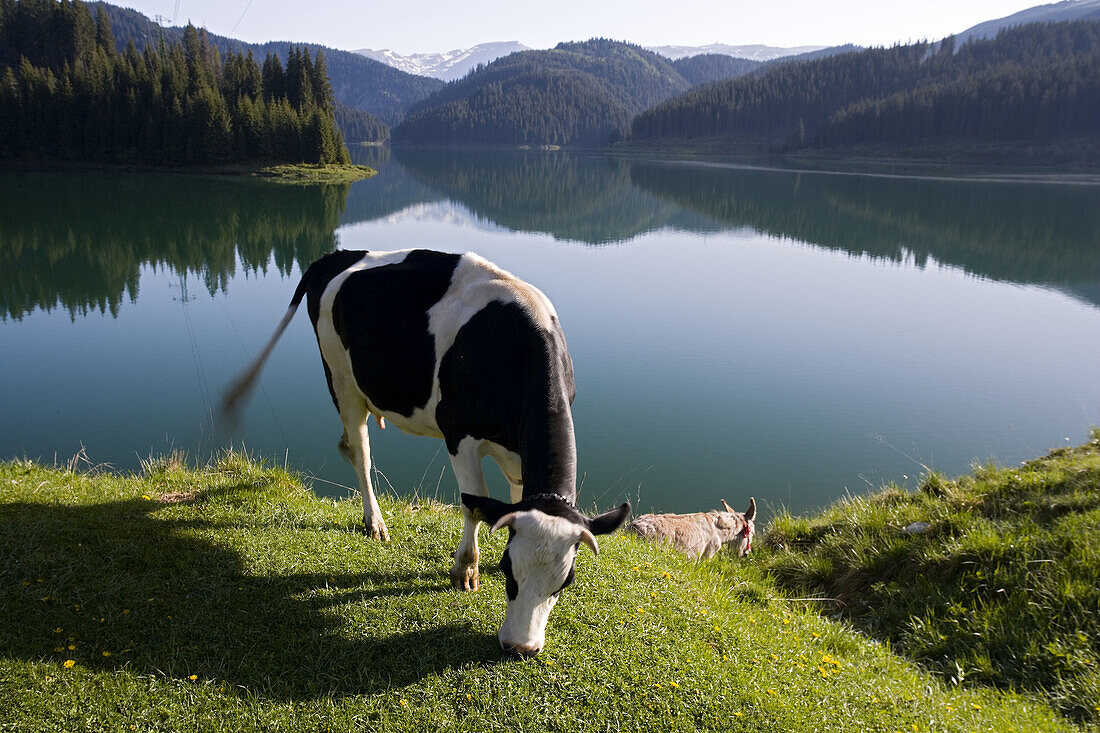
(416, 26)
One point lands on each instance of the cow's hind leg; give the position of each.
(356, 443)
(466, 464)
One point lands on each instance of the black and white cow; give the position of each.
(453, 347)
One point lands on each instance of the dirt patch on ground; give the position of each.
(178, 497)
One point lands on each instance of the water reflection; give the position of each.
(1024, 233)
(583, 199)
(79, 240)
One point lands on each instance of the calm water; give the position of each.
(786, 335)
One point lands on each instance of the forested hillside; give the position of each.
(1031, 83)
(577, 94)
(67, 93)
(709, 67)
(360, 126)
(357, 81)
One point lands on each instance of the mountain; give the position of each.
(1034, 87)
(1053, 13)
(756, 52)
(821, 53)
(576, 94)
(709, 67)
(357, 81)
(359, 126)
(445, 66)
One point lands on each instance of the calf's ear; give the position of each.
(486, 509)
(750, 513)
(609, 521)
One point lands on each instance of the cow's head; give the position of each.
(737, 528)
(545, 534)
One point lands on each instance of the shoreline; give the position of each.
(877, 169)
(301, 173)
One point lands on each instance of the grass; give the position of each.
(232, 598)
(311, 173)
(1002, 589)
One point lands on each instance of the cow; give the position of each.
(453, 347)
(700, 534)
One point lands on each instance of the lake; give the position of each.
(793, 336)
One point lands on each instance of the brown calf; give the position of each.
(700, 534)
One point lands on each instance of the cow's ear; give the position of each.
(486, 509)
(750, 513)
(609, 521)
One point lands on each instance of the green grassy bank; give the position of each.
(232, 598)
(1001, 588)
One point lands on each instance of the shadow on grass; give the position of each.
(111, 588)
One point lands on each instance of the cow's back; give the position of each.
(380, 314)
(446, 345)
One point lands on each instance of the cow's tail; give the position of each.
(242, 386)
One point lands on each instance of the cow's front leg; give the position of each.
(358, 451)
(466, 464)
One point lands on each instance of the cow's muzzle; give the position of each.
(521, 650)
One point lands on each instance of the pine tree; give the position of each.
(104, 36)
(70, 94)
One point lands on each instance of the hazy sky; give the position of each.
(409, 26)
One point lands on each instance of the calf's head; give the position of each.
(737, 528)
(545, 534)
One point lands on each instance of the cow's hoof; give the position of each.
(464, 578)
(376, 530)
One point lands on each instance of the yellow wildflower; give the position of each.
(69, 663)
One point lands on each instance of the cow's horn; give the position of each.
(590, 539)
(505, 521)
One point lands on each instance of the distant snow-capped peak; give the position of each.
(446, 66)
(756, 52)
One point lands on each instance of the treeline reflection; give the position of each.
(1028, 233)
(582, 199)
(79, 241)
